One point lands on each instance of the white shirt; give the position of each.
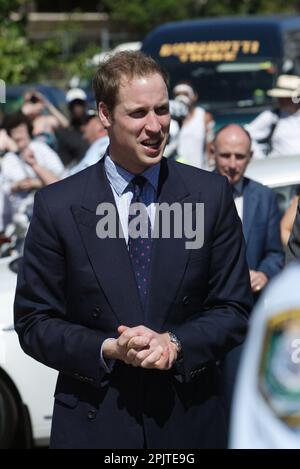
(191, 139)
(286, 136)
(5, 207)
(14, 169)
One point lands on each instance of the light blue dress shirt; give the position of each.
(119, 180)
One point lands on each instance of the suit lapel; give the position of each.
(251, 200)
(109, 257)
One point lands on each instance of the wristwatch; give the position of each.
(177, 342)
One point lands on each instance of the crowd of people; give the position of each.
(40, 145)
(156, 348)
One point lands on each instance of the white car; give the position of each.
(26, 386)
(282, 174)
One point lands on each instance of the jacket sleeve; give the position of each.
(222, 322)
(41, 320)
(273, 259)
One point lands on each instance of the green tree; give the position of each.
(142, 15)
(20, 60)
(243, 7)
(24, 61)
(7, 7)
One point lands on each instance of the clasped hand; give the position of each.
(142, 347)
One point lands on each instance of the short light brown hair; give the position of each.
(122, 65)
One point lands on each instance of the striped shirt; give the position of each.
(119, 180)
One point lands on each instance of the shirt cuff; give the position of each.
(107, 365)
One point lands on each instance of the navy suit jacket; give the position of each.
(261, 227)
(75, 289)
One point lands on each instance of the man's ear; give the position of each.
(104, 115)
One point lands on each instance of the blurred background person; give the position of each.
(32, 165)
(76, 99)
(71, 144)
(276, 133)
(196, 129)
(266, 405)
(95, 135)
(256, 205)
(44, 116)
(5, 207)
(6, 211)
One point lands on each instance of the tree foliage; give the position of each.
(22, 60)
(143, 15)
(25, 61)
(7, 7)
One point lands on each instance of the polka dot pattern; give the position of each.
(140, 247)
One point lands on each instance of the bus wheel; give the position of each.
(8, 416)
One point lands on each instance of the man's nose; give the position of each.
(232, 162)
(153, 123)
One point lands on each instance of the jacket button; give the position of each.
(186, 300)
(91, 415)
(95, 314)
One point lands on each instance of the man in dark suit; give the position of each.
(256, 205)
(258, 209)
(136, 325)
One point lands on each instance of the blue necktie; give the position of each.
(139, 246)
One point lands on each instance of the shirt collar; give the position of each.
(119, 177)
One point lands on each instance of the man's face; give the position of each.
(139, 124)
(21, 136)
(188, 98)
(232, 151)
(78, 108)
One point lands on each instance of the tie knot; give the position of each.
(138, 183)
(234, 192)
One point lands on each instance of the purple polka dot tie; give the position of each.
(139, 237)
